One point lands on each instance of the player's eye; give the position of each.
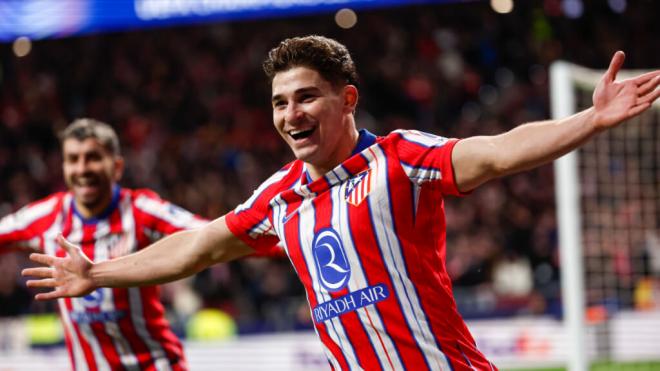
(94, 156)
(307, 98)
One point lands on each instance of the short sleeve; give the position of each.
(426, 158)
(25, 227)
(251, 220)
(160, 217)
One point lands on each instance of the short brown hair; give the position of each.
(326, 56)
(84, 128)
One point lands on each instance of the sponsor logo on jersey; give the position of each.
(92, 317)
(350, 302)
(358, 188)
(93, 299)
(330, 258)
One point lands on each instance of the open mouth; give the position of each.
(301, 134)
(87, 182)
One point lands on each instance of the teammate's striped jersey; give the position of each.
(368, 243)
(109, 329)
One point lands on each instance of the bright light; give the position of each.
(502, 6)
(22, 46)
(573, 8)
(346, 18)
(618, 6)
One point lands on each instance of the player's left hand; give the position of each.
(616, 101)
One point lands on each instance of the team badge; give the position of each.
(331, 261)
(358, 188)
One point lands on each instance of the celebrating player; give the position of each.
(361, 217)
(108, 329)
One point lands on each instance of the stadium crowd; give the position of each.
(192, 109)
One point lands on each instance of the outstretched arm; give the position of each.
(176, 256)
(479, 159)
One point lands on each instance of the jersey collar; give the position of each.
(105, 213)
(365, 140)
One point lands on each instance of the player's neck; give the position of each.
(92, 211)
(96, 209)
(339, 155)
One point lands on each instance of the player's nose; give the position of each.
(293, 113)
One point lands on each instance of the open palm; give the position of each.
(67, 276)
(615, 101)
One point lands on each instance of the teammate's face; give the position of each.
(312, 116)
(90, 170)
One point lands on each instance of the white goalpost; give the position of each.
(608, 218)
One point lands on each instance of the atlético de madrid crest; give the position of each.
(358, 188)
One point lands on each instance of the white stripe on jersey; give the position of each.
(168, 212)
(270, 181)
(396, 266)
(26, 216)
(135, 299)
(279, 213)
(261, 229)
(421, 138)
(80, 364)
(157, 352)
(335, 330)
(420, 175)
(367, 315)
(77, 305)
(50, 246)
(102, 253)
(416, 191)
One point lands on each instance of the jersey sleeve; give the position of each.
(24, 228)
(251, 221)
(158, 217)
(426, 158)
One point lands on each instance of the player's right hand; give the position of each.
(67, 276)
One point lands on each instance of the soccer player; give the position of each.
(108, 329)
(360, 216)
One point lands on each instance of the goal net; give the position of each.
(608, 200)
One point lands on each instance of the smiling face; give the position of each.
(314, 117)
(90, 170)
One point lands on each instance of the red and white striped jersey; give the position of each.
(109, 329)
(368, 243)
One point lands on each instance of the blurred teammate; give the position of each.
(108, 329)
(361, 217)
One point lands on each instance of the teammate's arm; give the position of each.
(481, 158)
(176, 256)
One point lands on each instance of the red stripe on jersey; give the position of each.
(376, 273)
(140, 349)
(86, 348)
(428, 266)
(159, 329)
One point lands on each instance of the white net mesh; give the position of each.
(619, 173)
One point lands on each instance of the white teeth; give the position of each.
(85, 182)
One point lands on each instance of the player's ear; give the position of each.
(119, 164)
(350, 98)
